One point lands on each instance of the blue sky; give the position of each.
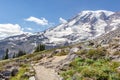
(19, 12)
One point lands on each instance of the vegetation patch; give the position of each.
(21, 74)
(85, 69)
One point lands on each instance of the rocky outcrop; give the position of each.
(8, 72)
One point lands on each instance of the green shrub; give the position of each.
(62, 53)
(96, 53)
(116, 53)
(103, 76)
(19, 76)
(89, 61)
(68, 74)
(81, 52)
(77, 62)
(114, 65)
(89, 72)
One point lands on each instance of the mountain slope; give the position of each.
(84, 26)
(108, 37)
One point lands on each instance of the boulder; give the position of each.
(14, 71)
(6, 73)
(71, 57)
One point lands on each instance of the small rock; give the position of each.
(71, 57)
(73, 50)
(118, 69)
(32, 78)
(57, 51)
(26, 74)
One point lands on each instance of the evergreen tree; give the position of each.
(21, 53)
(40, 47)
(14, 55)
(6, 54)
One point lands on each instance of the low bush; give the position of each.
(96, 53)
(85, 69)
(116, 53)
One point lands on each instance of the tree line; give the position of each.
(40, 47)
(20, 53)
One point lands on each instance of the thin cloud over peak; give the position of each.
(29, 29)
(41, 21)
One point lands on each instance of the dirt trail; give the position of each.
(45, 73)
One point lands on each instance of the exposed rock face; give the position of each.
(9, 70)
(110, 41)
(107, 38)
(6, 74)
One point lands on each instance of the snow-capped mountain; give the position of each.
(84, 26)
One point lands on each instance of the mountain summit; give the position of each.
(84, 26)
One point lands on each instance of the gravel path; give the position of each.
(44, 73)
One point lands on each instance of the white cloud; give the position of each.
(30, 29)
(41, 21)
(61, 20)
(7, 30)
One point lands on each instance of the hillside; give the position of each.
(75, 62)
